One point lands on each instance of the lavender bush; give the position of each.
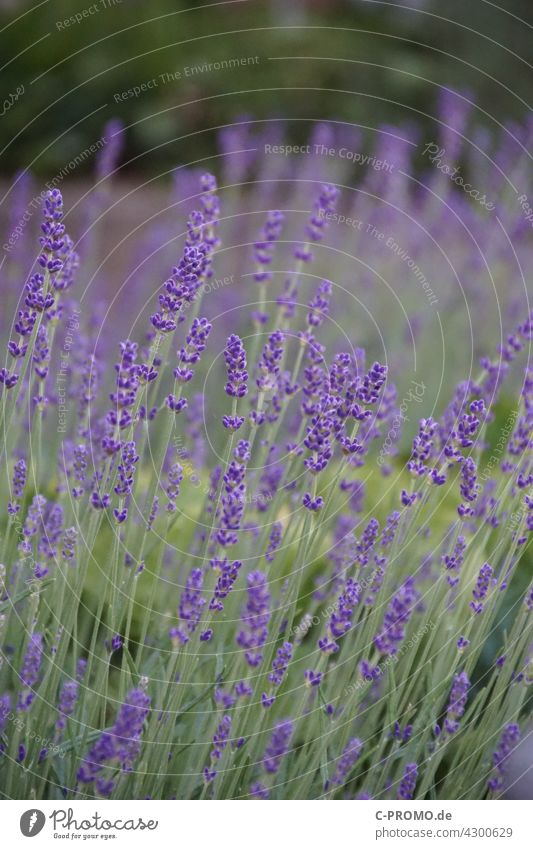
(219, 580)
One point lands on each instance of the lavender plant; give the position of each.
(247, 604)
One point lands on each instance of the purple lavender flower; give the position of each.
(5, 708)
(323, 208)
(463, 435)
(123, 399)
(242, 451)
(181, 288)
(52, 521)
(153, 513)
(220, 738)
(280, 664)
(340, 620)
(116, 643)
(259, 791)
(267, 701)
(7, 379)
(177, 405)
(70, 263)
(274, 541)
(190, 355)
(389, 531)
(313, 678)
(36, 299)
(319, 305)
(19, 482)
(423, 447)
(396, 618)
(19, 478)
(119, 747)
(368, 539)
(233, 422)
(481, 588)
(243, 689)
(269, 363)
(346, 762)
(41, 354)
(126, 469)
(53, 230)
(408, 783)
(469, 487)
(235, 357)
(233, 501)
(211, 210)
(454, 561)
(34, 523)
(67, 702)
(457, 702)
(507, 743)
(209, 774)
(172, 489)
(227, 575)
(190, 607)
(278, 746)
(255, 618)
(400, 734)
(100, 501)
(264, 248)
(371, 384)
(224, 698)
(70, 538)
(29, 673)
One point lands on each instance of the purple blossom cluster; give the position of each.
(264, 247)
(192, 603)
(346, 579)
(255, 618)
(30, 671)
(340, 620)
(117, 748)
(457, 702)
(346, 762)
(506, 745)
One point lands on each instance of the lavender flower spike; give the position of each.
(346, 762)
(269, 364)
(324, 205)
(19, 482)
(53, 230)
(119, 747)
(482, 587)
(408, 782)
(228, 573)
(255, 618)
(29, 674)
(457, 702)
(235, 357)
(264, 248)
(280, 664)
(190, 608)
(396, 618)
(67, 702)
(278, 746)
(508, 741)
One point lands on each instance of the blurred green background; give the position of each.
(398, 57)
